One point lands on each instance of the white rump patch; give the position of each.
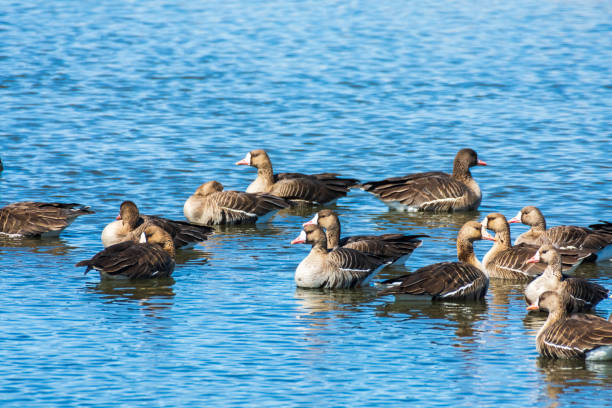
(600, 353)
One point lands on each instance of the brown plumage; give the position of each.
(301, 188)
(463, 280)
(505, 261)
(340, 268)
(35, 219)
(131, 224)
(153, 257)
(210, 205)
(597, 241)
(394, 247)
(433, 191)
(583, 294)
(571, 336)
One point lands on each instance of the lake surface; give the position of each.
(103, 102)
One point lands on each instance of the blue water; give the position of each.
(107, 101)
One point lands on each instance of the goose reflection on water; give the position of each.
(152, 295)
(49, 245)
(572, 376)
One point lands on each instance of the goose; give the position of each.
(598, 241)
(340, 268)
(210, 205)
(1, 166)
(152, 257)
(571, 336)
(433, 191)
(583, 294)
(300, 188)
(396, 247)
(130, 224)
(504, 261)
(31, 219)
(463, 280)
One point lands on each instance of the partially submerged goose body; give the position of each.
(571, 336)
(340, 268)
(463, 280)
(300, 188)
(433, 191)
(211, 205)
(394, 247)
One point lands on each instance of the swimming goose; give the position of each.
(35, 219)
(300, 188)
(433, 191)
(463, 280)
(130, 224)
(571, 336)
(394, 247)
(505, 261)
(341, 268)
(1, 166)
(152, 257)
(583, 294)
(213, 206)
(598, 241)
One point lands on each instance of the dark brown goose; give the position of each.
(571, 336)
(301, 188)
(34, 219)
(340, 268)
(463, 280)
(152, 257)
(394, 247)
(433, 191)
(597, 241)
(212, 206)
(130, 224)
(583, 294)
(1, 166)
(504, 261)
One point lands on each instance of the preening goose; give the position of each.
(152, 257)
(300, 188)
(210, 205)
(340, 268)
(505, 261)
(130, 224)
(583, 294)
(35, 219)
(571, 336)
(463, 280)
(597, 241)
(433, 191)
(394, 247)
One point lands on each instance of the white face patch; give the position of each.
(247, 158)
(143, 238)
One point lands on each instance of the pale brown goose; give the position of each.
(301, 188)
(433, 191)
(598, 241)
(463, 280)
(210, 205)
(152, 257)
(340, 268)
(505, 261)
(583, 294)
(394, 247)
(36, 219)
(571, 336)
(130, 224)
